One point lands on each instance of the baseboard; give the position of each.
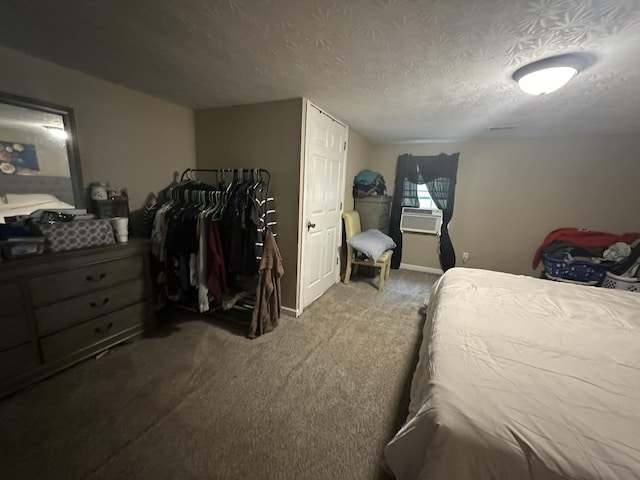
(418, 268)
(291, 312)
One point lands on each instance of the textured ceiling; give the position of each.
(394, 70)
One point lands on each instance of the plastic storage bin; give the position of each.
(22, 247)
(575, 270)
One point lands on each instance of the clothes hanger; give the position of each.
(257, 178)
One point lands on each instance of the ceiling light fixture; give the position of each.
(549, 74)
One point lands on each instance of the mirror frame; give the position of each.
(73, 154)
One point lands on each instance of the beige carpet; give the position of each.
(318, 398)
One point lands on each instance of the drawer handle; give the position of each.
(105, 329)
(91, 278)
(96, 305)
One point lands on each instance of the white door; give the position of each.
(323, 190)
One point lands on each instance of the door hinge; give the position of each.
(345, 145)
(337, 260)
(341, 206)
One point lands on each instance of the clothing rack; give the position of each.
(237, 172)
(217, 231)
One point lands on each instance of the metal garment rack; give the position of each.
(237, 172)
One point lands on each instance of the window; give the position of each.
(425, 199)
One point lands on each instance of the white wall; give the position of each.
(261, 135)
(125, 137)
(511, 193)
(358, 158)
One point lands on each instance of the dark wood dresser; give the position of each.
(59, 309)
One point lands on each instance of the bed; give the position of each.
(521, 378)
(15, 204)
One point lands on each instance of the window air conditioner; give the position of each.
(421, 220)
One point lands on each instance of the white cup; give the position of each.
(120, 226)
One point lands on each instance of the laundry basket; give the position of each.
(629, 284)
(576, 271)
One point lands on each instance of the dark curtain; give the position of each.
(439, 173)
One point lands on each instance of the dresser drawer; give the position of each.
(14, 330)
(10, 299)
(76, 310)
(18, 360)
(70, 283)
(92, 334)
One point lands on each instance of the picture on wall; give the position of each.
(18, 158)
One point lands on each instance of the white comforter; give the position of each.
(25, 204)
(521, 378)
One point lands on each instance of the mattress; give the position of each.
(521, 378)
(25, 204)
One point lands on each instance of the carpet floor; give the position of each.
(318, 398)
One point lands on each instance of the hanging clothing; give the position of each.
(203, 289)
(217, 274)
(268, 291)
(210, 242)
(263, 215)
(239, 232)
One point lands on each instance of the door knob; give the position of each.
(310, 225)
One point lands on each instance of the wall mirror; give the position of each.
(39, 162)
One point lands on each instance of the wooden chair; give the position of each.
(351, 228)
